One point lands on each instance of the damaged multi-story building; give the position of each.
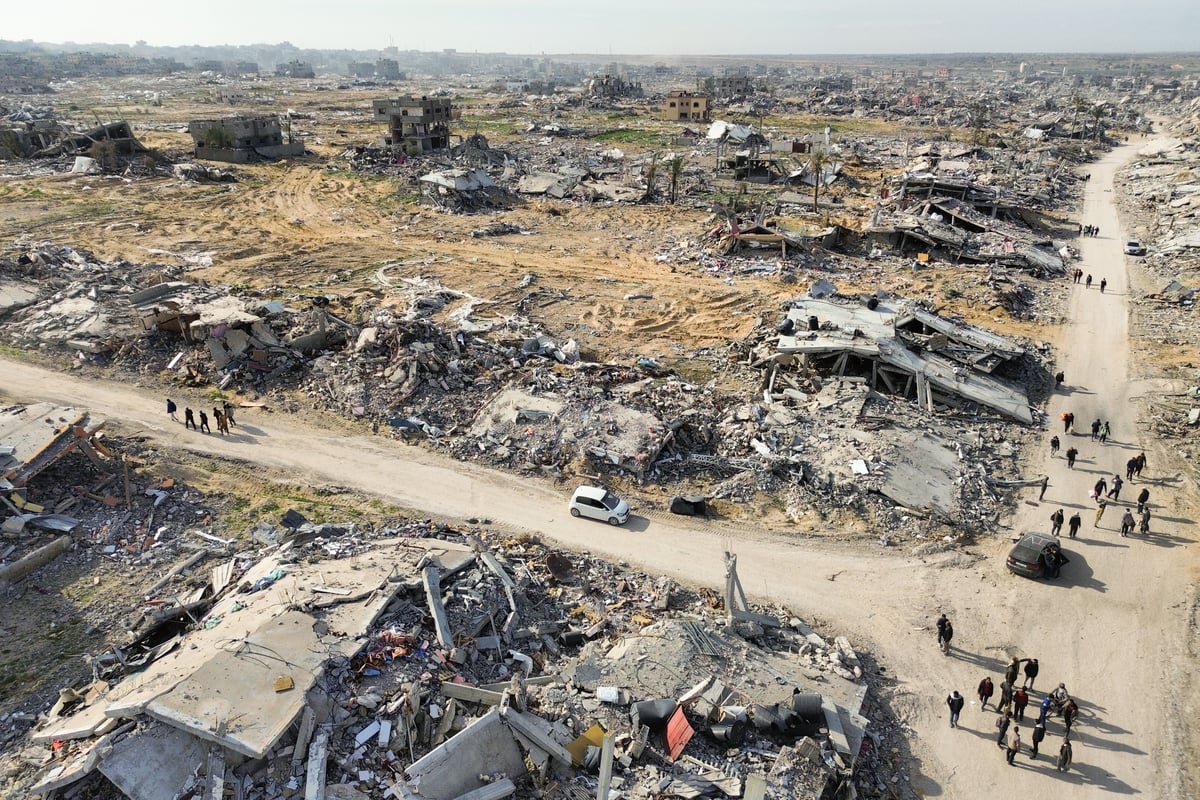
(416, 125)
(242, 139)
(684, 106)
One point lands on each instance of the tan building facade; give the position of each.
(681, 106)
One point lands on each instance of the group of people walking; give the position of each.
(222, 415)
(1011, 707)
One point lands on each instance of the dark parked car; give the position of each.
(1036, 555)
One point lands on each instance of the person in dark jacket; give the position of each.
(986, 690)
(1073, 525)
(171, 408)
(1056, 521)
(1070, 712)
(1142, 498)
(1039, 733)
(1130, 468)
(1013, 670)
(204, 423)
(1071, 454)
(1006, 696)
(189, 419)
(1100, 488)
(1002, 723)
(1031, 673)
(955, 701)
(1115, 491)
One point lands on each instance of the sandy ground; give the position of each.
(1114, 628)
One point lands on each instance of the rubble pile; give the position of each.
(419, 650)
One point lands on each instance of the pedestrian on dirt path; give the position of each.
(189, 419)
(222, 425)
(1100, 488)
(985, 692)
(171, 409)
(1144, 526)
(1115, 491)
(1105, 432)
(1064, 755)
(1059, 378)
(1088, 283)
(1039, 733)
(1071, 454)
(1073, 525)
(945, 632)
(1130, 468)
(1003, 721)
(955, 701)
(1141, 465)
(204, 423)
(1056, 521)
(1054, 445)
(1071, 422)
(1020, 701)
(1100, 512)
(1045, 483)
(1070, 713)
(1127, 523)
(229, 413)
(1006, 696)
(1103, 283)
(1014, 744)
(1095, 428)
(1142, 498)
(1044, 710)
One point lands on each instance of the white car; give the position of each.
(1134, 248)
(596, 503)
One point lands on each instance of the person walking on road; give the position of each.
(171, 409)
(1144, 526)
(1130, 468)
(1070, 713)
(1054, 444)
(1020, 701)
(228, 406)
(1105, 432)
(1014, 744)
(985, 692)
(1039, 733)
(1141, 464)
(1088, 283)
(945, 632)
(204, 423)
(1059, 377)
(1127, 523)
(1071, 455)
(189, 419)
(1031, 673)
(1095, 428)
(1100, 513)
(1103, 283)
(1115, 491)
(1056, 522)
(1006, 696)
(1064, 755)
(1100, 488)
(1073, 525)
(1003, 721)
(1066, 421)
(1142, 498)
(955, 701)
(1045, 483)
(1044, 709)
(1070, 422)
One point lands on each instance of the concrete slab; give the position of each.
(77, 726)
(230, 699)
(485, 746)
(154, 763)
(922, 473)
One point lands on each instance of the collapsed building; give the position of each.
(242, 139)
(416, 126)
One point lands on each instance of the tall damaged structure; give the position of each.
(416, 125)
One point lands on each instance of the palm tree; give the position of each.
(651, 176)
(817, 161)
(1097, 113)
(675, 167)
(1078, 103)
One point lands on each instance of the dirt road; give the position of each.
(1110, 628)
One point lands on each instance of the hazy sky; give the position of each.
(668, 27)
